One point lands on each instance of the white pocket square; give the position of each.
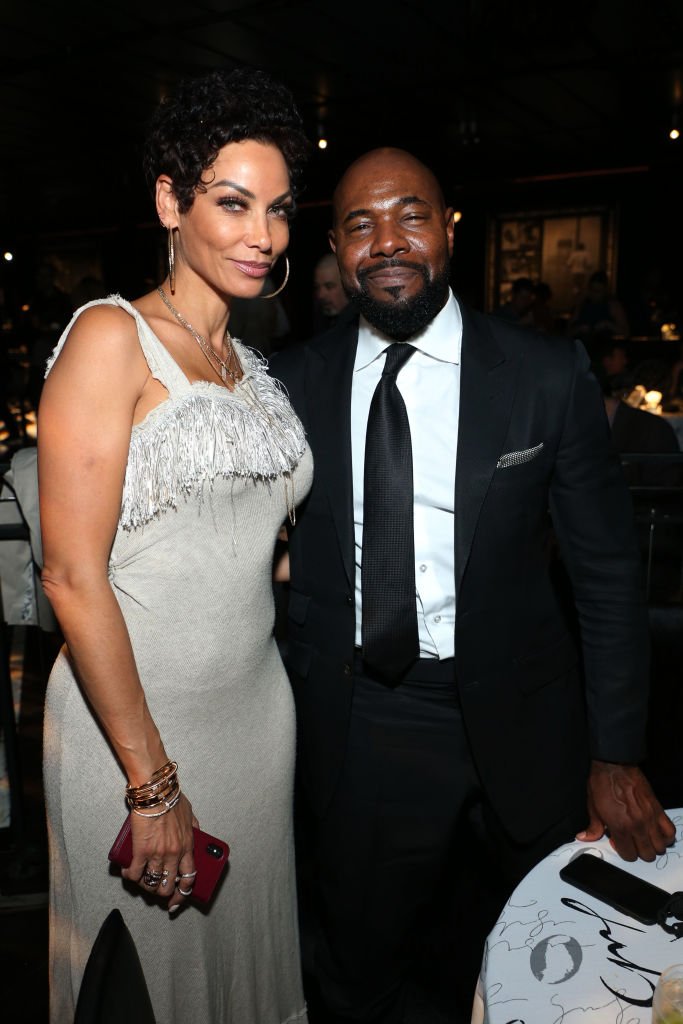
(517, 458)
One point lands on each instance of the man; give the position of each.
(330, 297)
(519, 308)
(439, 701)
(600, 313)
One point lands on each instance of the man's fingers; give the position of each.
(667, 828)
(593, 832)
(646, 832)
(662, 833)
(595, 829)
(623, 843)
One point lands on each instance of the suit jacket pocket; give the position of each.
(538, 668)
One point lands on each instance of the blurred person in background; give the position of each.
(519, 307)
(329, 296)
(600, 312)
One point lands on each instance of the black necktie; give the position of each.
(389, 626)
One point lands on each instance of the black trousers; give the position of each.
(411, 868)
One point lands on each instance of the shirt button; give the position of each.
(347, 669)
(423, 568)
(349, 600)
(437, 618)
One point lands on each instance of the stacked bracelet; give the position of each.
(158, 796)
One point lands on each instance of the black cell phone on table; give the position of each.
(616, 887)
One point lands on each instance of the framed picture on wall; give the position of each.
(562, 248)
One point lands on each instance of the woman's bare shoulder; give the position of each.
(104, 332)
(105, 321)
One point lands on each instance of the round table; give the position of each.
(559, 956)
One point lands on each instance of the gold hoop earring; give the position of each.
(271, 295)
(171, 261)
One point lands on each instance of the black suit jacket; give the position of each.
(531, 722)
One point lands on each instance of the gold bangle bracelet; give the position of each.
(152, 797)
(160, 776)
(163, 798)
(169, 805)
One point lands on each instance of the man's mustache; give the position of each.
(419, 268)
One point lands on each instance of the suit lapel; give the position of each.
(329, 401)
(487, 388)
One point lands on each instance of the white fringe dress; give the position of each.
(191, 567)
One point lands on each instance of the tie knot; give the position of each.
(397, 355)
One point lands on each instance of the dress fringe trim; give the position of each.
(206, 433)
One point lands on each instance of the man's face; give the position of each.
(393, 237)
(615, 362)
(523, 300)
(327, 288)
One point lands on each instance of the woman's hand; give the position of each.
(163, 847)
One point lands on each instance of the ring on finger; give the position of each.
(152, 878)
(188, 874)
(164, 877)
(185, 892)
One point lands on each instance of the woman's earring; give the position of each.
(171, 261)
(271, 295)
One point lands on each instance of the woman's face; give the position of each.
(234, 232)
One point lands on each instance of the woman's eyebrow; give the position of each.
(233, 184)
(245, 191)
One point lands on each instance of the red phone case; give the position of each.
(210, 859)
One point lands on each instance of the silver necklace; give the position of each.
(221, 366)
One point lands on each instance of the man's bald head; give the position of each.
(380, 163)
(393, 237)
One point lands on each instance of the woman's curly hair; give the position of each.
(189, 129)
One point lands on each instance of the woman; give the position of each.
(168, 461)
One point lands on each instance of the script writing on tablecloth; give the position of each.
(636, 973)
(558, 956)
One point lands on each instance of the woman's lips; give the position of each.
(253, 269)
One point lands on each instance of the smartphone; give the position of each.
(210, 859)
(616, 887)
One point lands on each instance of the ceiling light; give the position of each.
(674, 134)
(322, 143)
(9, 256)
(457, 216)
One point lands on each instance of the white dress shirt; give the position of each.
(430, 386)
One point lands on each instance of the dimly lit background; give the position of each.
(520, 107)
(550, 125)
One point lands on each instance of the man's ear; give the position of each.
(332, 240)
(166, 202)
(450, 229)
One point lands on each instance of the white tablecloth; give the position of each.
(558, 956)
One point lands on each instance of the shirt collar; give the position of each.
(441, 338)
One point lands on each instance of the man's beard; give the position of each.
(399, 318)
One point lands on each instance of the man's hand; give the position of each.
(621, 801)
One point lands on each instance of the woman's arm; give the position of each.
(281, 560)
(86, 415)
